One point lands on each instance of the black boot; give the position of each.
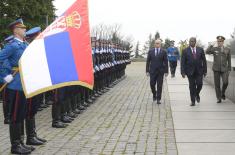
(15, 137)
(66, 119)
(22, 138)
(35, 133)
(56, 116)
(72, 114)
(31, 137)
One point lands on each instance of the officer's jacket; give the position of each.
(222, 58)
(11, 53)
(173, 54)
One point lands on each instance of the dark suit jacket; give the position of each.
(158, 63)
(189, 65)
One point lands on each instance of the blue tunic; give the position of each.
(9, 56)
(173, 54)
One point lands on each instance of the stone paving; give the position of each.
(122, 121)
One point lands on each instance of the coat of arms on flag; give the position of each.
(60, 55)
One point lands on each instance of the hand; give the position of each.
(147, 73)
(183, 75)
(8, 78)
(166, 74)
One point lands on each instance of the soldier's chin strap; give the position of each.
(16, 70)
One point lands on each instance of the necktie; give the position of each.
(194, 53)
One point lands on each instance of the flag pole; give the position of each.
(5, 84)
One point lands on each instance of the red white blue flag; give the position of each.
(60, 55)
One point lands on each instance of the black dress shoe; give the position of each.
(70, 118)
(88, 101)
(223, 97)
(49, 102)
(96, 95)
(93, 97)
(72, 114)
(77, 111)
(28, 147)
(154, 98)
(19, 149)
(6, 121)
(99, 93)
(65, 119)
(80, 107)
(33, 141)
(198, 98)
(219, 101)
(158, 102)
(43, 106)
(40, 109)
(192, 104)
(41, 139)
(85, 104)
(59, 124)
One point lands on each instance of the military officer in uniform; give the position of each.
(173, 56)
(221, 66)
(15, 95)
(32, 104)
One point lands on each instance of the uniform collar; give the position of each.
(19, 40)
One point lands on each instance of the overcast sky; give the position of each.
(174, 19)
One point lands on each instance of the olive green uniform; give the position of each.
(221, 67)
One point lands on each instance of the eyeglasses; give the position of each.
(220, 41)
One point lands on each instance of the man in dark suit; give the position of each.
(156, 67)
(193, 64)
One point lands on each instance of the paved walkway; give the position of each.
(122, 121)
(206, 129)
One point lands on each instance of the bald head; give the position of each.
(158, 43)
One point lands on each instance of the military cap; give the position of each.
(220, 38)
(33, 31)
(9, 38)
(17, 23)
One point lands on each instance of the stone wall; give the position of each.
(230, 93)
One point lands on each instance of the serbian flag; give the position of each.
(61, 55)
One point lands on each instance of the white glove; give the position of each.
(166, 74)
(8, 78)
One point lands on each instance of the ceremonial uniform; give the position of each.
(32, 104)
(221, 67)
(173, 56)
(15, 96)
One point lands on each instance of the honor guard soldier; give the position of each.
(221, 66)
(15, 95)
(6, 66)
(173, 56)
(32, 104)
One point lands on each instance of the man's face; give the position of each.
(192, 42)
(157, 44)
(20, 31)
(220, 43)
